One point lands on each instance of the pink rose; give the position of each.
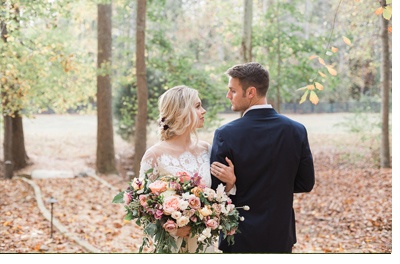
(170, 226)
(143, 200)
(194, 202)
(158, 186)
(211, 223)
(183, 176)
(158, 214)
(127, 198)
(171, 204)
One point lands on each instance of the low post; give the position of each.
(52, 201)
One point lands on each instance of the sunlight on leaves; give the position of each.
(387, 12)
(313, 98)
(331, 70)
(379, 11)
(347, 40)
(319, 86)
(304, 97)
(310, 87)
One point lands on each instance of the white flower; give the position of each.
(183, 204)
(201, 238)
(176, 214)
(241, 218)
(246, 208)
(220, 192)
(207, 232)
(182, 221)
(168, 193)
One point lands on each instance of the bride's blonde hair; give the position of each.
(177, 111)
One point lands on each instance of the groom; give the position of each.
(272, 160)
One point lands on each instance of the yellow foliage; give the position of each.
(312, 57)
(304, 97)
(346, 40)
(310, 87)
(319, 86)
(313, 98)
(379, 11)
(321, 61)
(334, 49)
(323, 75)
(331, 70)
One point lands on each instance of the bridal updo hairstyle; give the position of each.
(177, 111)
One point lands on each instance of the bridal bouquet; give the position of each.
(174, 201)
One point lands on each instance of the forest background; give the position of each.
(317, 52)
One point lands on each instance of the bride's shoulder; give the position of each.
(204, 144)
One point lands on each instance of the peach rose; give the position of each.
(194, 202)
(170, 204)
(183, 176)
(158, 186)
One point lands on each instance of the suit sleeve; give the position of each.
(219, 151)
(305, 177)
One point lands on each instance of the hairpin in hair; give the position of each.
(162, 123)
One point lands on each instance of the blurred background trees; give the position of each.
(49, 54)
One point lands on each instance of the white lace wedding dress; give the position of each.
(165, 159)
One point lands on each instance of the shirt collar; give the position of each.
(257, 107)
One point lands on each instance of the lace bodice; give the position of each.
(165, 159)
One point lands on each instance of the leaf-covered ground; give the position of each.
(349, 210)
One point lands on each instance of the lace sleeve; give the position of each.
(149, 161)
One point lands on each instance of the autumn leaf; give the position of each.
(310, 87)
(304, 97)
(390, 29)
(346, 40)
(379, 11)
(302, 88)
(321, 61)
(319, 86)
(334, 49)
(331, 70)
(313, 97)
(387, 12)
(323, 75)
(312, 57)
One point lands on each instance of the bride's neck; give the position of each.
(183, 141)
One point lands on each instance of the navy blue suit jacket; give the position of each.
(272, 160)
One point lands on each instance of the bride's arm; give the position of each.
(225, 173)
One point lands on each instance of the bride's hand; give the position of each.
(183, 231)
(224, 173)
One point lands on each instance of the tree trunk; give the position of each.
(385, 75)
(105, 156)
(20, 158)
(142, 92)
(8, 159)
(247, 30)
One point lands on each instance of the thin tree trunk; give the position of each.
(105, 156)
(142, 92)
(19, 155)
(385, 75)
(247, 30)
(8, 159)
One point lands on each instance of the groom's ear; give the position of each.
(251, 92)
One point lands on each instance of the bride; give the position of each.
(179, 149)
